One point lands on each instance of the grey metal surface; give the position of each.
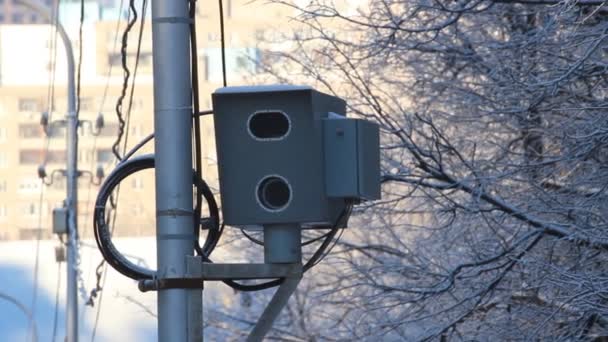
(195, 305)
(340, 136)
(282, 243)
(213, 271)
(173, 153)
(298, 157)
(368, 159)
(60, 221)
(352, 158)
(272, 311)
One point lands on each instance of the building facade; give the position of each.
(28, 56)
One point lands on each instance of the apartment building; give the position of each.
(26, 62)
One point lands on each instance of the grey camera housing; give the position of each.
(60, 221)
(272, 159)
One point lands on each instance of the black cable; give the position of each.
(126, 75)
(305, 243)
(103, 238)
(144, 6)
(101, 276)
(102, 234)
(313, 240)
(313, 261)
(223, 42)
(195, 118)
(127, 268)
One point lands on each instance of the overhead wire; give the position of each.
(126, 75)
(129, 166)
(223, 43)
(75, 236)
(122, 124)
(46, 144)
(127, 268)
(195, 118)
(94, 149)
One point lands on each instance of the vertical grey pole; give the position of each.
(72, 201)
(173, 151)
(71, 175)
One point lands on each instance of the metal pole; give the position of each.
(173, 178)
(71, 175)
(282, 243)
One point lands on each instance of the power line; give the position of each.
(223, 43)
(46, 144)
(101, 110)
(126, 76)
(101, 271)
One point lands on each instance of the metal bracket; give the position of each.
(203, 271)
(199, 271)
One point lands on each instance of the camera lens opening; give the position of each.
(269, 125)
(274, 193)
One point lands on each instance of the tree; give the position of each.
(494, 122)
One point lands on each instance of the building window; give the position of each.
(57, 157)
(136, 130)
(137, 209)
(205, 66)
(29, 209)
(137, 183)
(29, 157)
(105, 156)
(33, 233)
(145, 59)
(30, 131)
(228, 8)
(86, 104)
(29, 185)
(29, 105)
(17, 18)
(85, 156)
(37, 156)
(3, 185)
(109, 130)
(59, 183)
(3, 211)
(57, 131)
(3, 160)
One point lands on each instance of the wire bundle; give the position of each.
(128, 166)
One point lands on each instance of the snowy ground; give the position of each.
(126, 314)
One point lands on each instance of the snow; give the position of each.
(121, 319)
(261, 89)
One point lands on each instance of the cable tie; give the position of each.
(172, 20)
(174, 212)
